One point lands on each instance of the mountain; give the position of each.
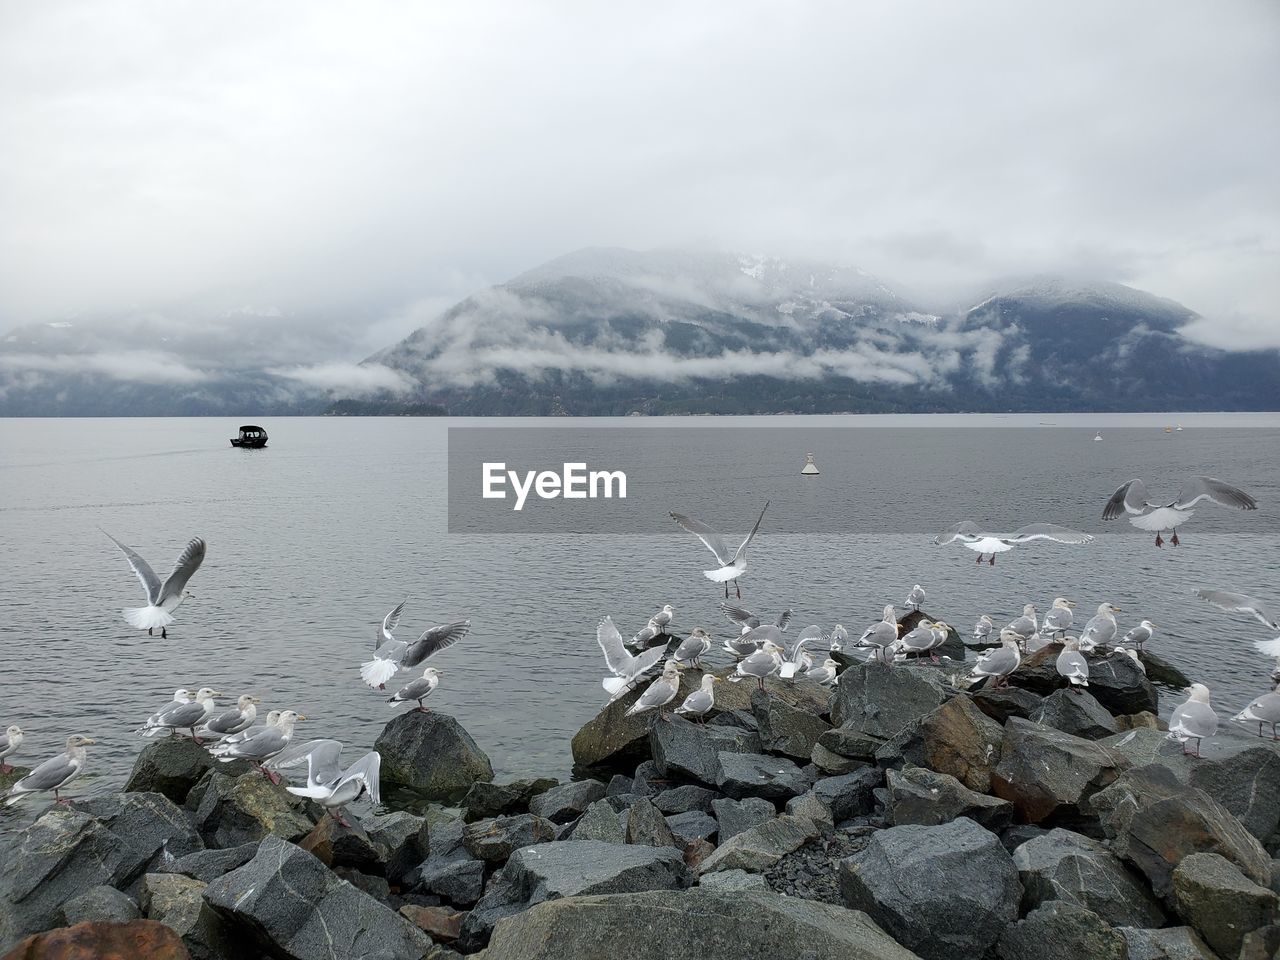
(611, 331)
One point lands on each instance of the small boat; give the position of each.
(810, 469)
(1097, 437)
(1178, 428)
(251, 436)
(1168, 429)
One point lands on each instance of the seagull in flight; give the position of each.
(745, 618)
(1159, 516)
(732, 564)
(1241, 603)
(983, 542)
(627, 670)
(390, 654)
(162, 598)
(327, 783)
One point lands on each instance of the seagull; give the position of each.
(182, 716)
(916, 597)
(162, 598)
(238, 718)
(1025, 626)
(693, 648)
(662, 619)
(764, 662)
(659, 693)
(839, 637)
(699, 703)
(825, 674)
(1194, 719)
(732, 565)
(262, 745)
(1241, 603)
(982, 629)
(1073, 665)
(749, 641)
(55, 773)
(1101, 628)
(9, 744)
(745, 618)
(418, 689)
(881, 634)
(327, 784)
(1132, 498)
(273, 719)
(1000, 662)
(1264, 711)
(800, 660)
(1058, 618)
(1140, 634)
(984, 543)
(919, 641)
(390, 654)
(627, 670)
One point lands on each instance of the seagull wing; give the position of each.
(1047, 531)
(150, 582)
(52, 773)
(435, 640)
(319, 756)
(1132, 497)
(367, 769)
(389, 624)
(1240, 603)
(742, 549)
(1195, 489)
(783, 619)
(713, 541)
(188, 563)
(738, 615)
(964, 530)
(616, 658)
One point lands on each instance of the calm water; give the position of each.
(312, 540)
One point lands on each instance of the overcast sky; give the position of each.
(369, 163)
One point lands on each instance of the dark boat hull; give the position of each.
(249, 444)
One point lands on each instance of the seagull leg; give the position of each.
(1174, 539)
(992, 561)
(5, 768)
(726, 589)
(737, 588)
(341, 820)
(1159, 540)
(979, 560)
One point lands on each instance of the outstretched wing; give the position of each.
(737, 614)
(1132, 497)
(319, 756)
(964, 530)
(1195, 489)
(150, 582)
(389, 624)
(1240, 603)
(742, 549)
(712, 540)
(1048, 531)
(188, 563)
(783, 619)
(366, 769)
(616, 657)
(435, 640)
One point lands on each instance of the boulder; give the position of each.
(944, 892)
(551, 871)
(337, 846)
(432, 755)
(1005, 702)
(733, 881)
(790, 731)
(682, 748)
(956, 739)
(879, 700)
(1071, 868)
(493, 841)
(1146, 720)
(851, 744)
(248, 808)
(600, 822)
(176, 901)
(1148, 745)
(103, 941)
(1116, 682)
(923, 797)
(735, 816)
(692, 825)
(100, 903)
(776, 779)
(1247, 782)
(404, 840)
(1261, 944)
(1076, 712)
(567, 801)
(206, 865)
(1152, 821)
(439, 923)
(1219, 902)
(757, 849)
(685, 799)
(1160, 670)
(833, 764)
(1169, 943)
(1061, 931)
(291, 905)
(620, 783)
(1047, 774)
(450, 871)
(700, 922)
(811, 806)
(485, 800)
(171, 766)
(851, 794)
(646, 825)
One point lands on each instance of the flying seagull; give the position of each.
(745, 618)
(390, 654)
(983, 542)
(627, 670)
(1241, 603)
(328, 784)
(1132, 499)
(53, 774)
(732, 564)
(162, 598)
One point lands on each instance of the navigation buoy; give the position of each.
(810, 469)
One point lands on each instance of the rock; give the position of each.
(376, 887)
(171, 766)
(432, 755)
(811, 806)
(493, 841)
(699, 922)
(1162, 671)
(879, 700)
(440, 923)
(1220, 902)
(1146, 720)
(1152, 821)
(924, 797)
(109, 840)
(646, 825)
(404, 840)
(1116, 682)
(733, 881)
(1015, 836)
(685, 749)
(103, 941)
(833, 764)
(944, 892)
(1007, 702)
(206, 865)
(455, 876)
(551, 871)
(790, 731)
(1171, 943)
(741, 775)
(1068, 867)
(600, 822)
(485, 800)
(176, 901)
(248, 808)
(100, 903)
(744, 719)
(735, 816)
(1047, 774)
(649, 781)
(685, 799)
(1246, 782)
(337, 846)
(620, 783)
(849, 795)
(693, 825)
(956, 739)
(696, 851)
(1076, 712)
(851, 744)
(567, 801)
(1061, 931)
(757, 849)
(1261, 944)
(293, 906)
(1147, 745)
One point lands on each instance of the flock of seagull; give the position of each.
(758, 651)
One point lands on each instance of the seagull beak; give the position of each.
(88, 740)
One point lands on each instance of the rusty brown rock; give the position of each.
(134, 940)
(441, 923)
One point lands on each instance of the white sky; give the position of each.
(370, 163)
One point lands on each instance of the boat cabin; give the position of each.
(251, 435)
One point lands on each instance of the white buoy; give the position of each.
(1097, 437)
(810, 469)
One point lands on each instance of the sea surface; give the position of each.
(312, 540)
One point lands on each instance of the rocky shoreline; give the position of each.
(895, 816)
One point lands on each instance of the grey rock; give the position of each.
(733, 881)
(735, 816)
(1246, 782)
(405, 841)
(207, 865)
(1061, 931)
(879, 700)
(685, 749)
(744, 719)
(944, 892)
(1261, 944)
(171, 766)
(484, 800)
(956, 739)
(432, 755)
(567, 801)
(450, 871)
(849, 795)
(741, 775)
(1007, 702)
(1219, 902)
(1047, 774)
(1075, 711)
(684, 799)
(851, 744)
(692, 825)
(177, 902)
(294, 907)
(833, 764)
(100, 903)
(646, 825)
(1015, 836)
(493, 841)
(600, 822)
(757, 849)
(1068, 867)
(248, 808)
(813, 807)
(785, 729)
(619, 783)
(1169, 943)
(917, 795)
(1117, 683)
(649, 781)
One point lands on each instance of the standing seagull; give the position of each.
(1101, 628)
(732, 565)
(182, 716)
(10, 741)
(1132, 498)
(1265, 711)
(699, 703)
(693, 648)
(162, 598)
(983, 542)
(627, 670)
(1000, 662)
(328, 784)
(916, 597)
(418, 689)
(982, 630)
(233, 721)
(1025, 626)
(1058, 618)
(1140, 634)
(1194, 719)
(661, 692)
(1072, 665)
(267, 743)
(53, 774)
(880, 635)
(764, 662)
